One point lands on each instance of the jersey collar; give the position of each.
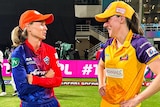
(127, 40)
(31, 47)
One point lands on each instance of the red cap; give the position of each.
(33, 15)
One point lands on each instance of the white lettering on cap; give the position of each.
(120, 10)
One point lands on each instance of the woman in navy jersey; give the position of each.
(35, 64)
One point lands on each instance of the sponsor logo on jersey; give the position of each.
(30, 61)
(38, 72)
(15, 62)
(107, 57)
(114, 72)
(151, 51)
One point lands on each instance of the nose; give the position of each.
(45, 27)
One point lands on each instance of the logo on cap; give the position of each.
(120, 10)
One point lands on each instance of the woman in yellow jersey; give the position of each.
(124, 58)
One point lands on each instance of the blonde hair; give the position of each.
(18, 36)
(15, 37)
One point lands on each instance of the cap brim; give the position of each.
(101, 17)
(48, 18)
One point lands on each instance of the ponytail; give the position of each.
(18, 36)
(134, 25)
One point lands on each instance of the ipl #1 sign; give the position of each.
(79, 68)
(70, 68)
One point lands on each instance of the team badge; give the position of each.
(46, 60)
(124, 57)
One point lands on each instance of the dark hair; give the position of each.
(134, 25)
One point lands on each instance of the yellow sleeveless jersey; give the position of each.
(125, 68)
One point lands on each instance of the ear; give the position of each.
(122, 19)
(27, 26)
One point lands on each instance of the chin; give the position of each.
(110, 36)
(44, 37)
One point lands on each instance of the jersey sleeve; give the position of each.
(145, 51)
(20, 74)
(108, 42)
(50, 82)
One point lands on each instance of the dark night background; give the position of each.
(63, 28)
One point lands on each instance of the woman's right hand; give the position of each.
(102, 90)
(30, 78)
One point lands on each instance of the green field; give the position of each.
(74, 96)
